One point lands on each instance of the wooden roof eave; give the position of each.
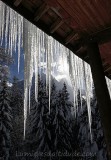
(75, 40)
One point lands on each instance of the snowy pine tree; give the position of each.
(5, 122)
(16, 99)
(97, 130)
(96, 147)
(66, 104)
(84, 133)
(62, 129)
(40, 120)
(54, 95)
(17, 121)
(5, 60)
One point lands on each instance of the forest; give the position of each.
(62, 134)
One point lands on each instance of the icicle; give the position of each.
(36, 62)
(79, 80)
(25, 108)
(46, 51)
(49, 68)
(6, 27)
(88, 87)
(72, 71)
(19, 39)
(2, 20)
(29, 97)
(25, 74)
(108, 81)
(44, 59)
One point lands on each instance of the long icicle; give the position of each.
(87, 89)
(49, 69)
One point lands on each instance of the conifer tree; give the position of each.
(5, 122)
(16, 98)
(61, 112)
(54, 95)
(97, 146)
(17, 122)
(66, 104)
(39, 119)
(97, 130)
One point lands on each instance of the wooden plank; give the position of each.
(71, 36)
(41, 11)
(66, 7)
(56, 25)
(17, 2)
(93, 12)
(86, 13)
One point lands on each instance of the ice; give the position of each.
(2, 13)
(88, 90)
(49, 61)
(108, 81)
(80, 75)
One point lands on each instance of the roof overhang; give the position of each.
(73, 23)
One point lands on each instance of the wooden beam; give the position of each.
(101, 36)
(103, 97)
(105, 64)
(108, 69)
(71, 36)
(41, 11)
(57, 12)
(81, 50)
(56, 25)
(17, 2)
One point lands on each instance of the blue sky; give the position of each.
(14, 66)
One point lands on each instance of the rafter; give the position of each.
(41, 11)
(101, 36)
(82, 49)
(105, 64)
(56, 25)
(17, 2)
(108, 69)
(71, 36)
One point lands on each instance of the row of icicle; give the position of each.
(42, 52)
